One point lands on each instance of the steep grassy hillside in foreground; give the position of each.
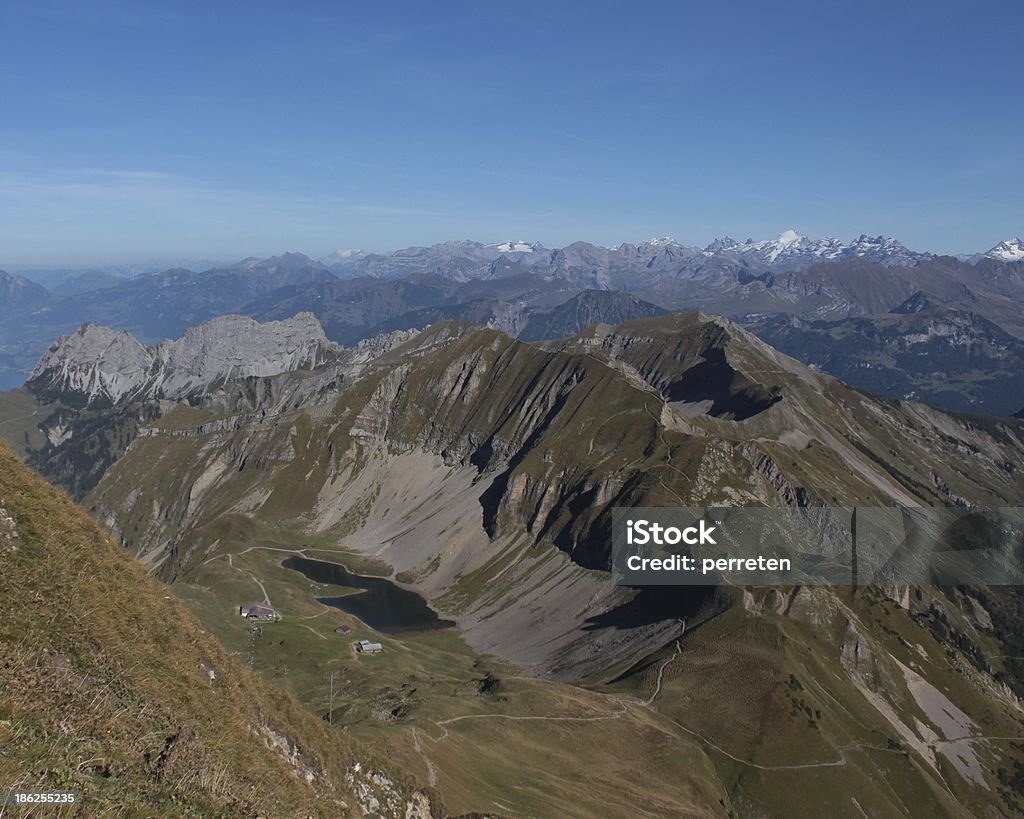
(110, 687)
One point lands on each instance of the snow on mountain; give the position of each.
(341, 256)
(518, 246)
(1012, 250)
(788, 243)
(791, 248)
(661, 242)
(882, 249)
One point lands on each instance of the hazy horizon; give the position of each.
(200, 263)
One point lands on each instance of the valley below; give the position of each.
(680, 732)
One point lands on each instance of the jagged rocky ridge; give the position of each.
(1011, 250)
(100, 386)
(98, 364)
(462, 260)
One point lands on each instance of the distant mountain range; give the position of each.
(789, 251)
(512, 285)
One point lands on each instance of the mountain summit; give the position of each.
(18, 294)
(1011, 250)
(518, 246)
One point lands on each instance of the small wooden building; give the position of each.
(366, 647)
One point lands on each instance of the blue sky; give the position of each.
(132, 130)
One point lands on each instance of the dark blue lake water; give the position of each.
(380, 604)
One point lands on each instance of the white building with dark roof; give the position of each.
(367, 647)
(261, 612)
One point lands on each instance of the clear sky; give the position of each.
(132, 129)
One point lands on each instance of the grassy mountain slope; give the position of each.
(112, 688)
(20, 416)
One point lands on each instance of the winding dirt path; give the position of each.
(661, 670)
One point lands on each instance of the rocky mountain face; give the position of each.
(97, 364)
(152, 308)
(93, 364)
(98, 385)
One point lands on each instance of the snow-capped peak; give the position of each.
(787, 243)
(661, 242)
(342, 255)
(788, 237)
(1012, 250)
(518, 246)
(792, 248)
